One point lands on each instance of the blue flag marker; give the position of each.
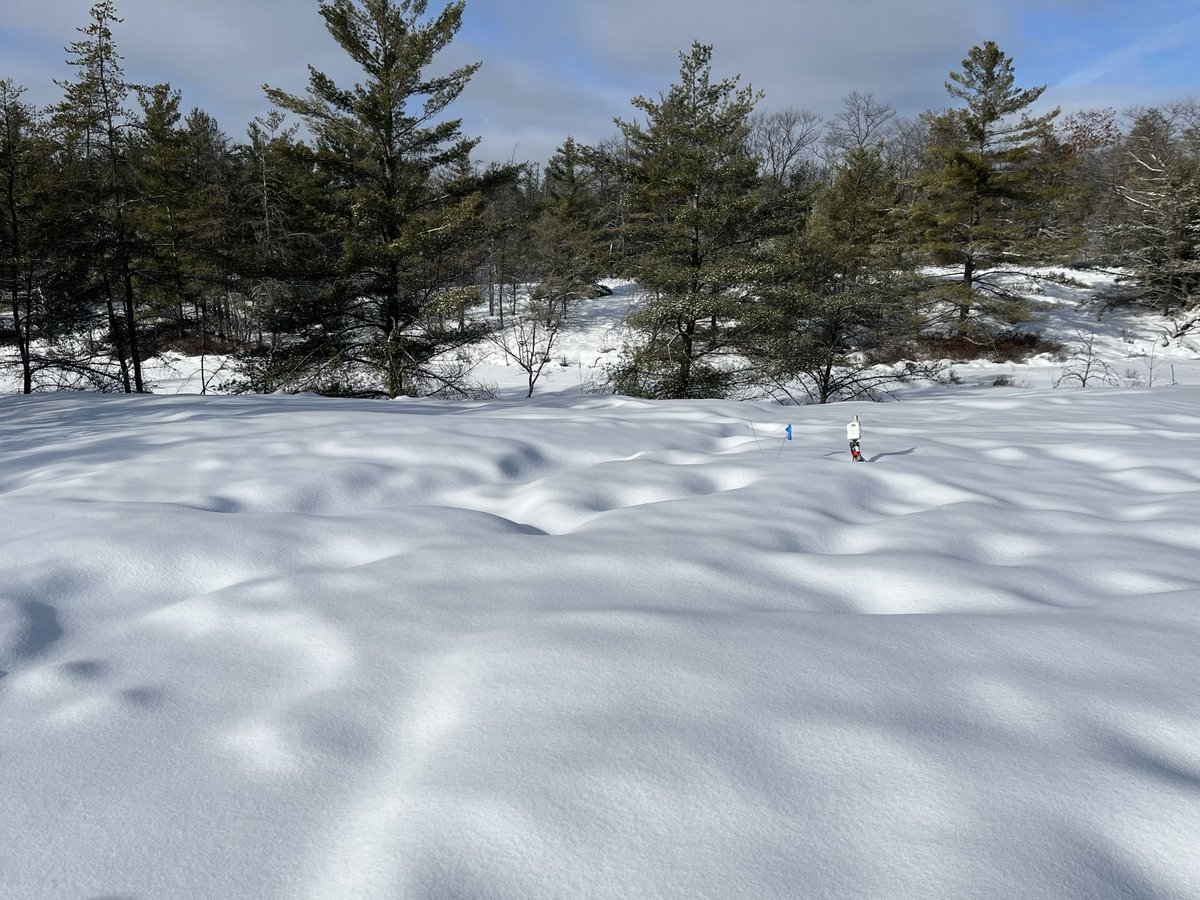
(789, 432)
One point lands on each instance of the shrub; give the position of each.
(1012, 345)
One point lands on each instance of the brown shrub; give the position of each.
(1012, 345)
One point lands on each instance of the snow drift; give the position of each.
(289, 647)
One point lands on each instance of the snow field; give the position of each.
(289, 647)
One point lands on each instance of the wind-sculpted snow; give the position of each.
(596, 647)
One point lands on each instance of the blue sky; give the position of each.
(559, 67)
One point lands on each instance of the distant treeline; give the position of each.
(345, 244)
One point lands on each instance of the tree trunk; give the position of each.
(824, 388)
(21, 325)
(15, 249)
(131, 328)
(685, 364)
(118, 336)
(968, 288)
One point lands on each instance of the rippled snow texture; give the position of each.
(594, 647)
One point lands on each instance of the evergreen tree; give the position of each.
(23, 163)
(695, 218)
(286, 253)
(569, 237)
(158, 156)
(978, 209)
(271, 160)
(212, 230)
(396, 167)
(839, 292)
(94, 127)
(1160, 232)
(187, 226)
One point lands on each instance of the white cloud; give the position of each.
(1132, 55)
(558, 67)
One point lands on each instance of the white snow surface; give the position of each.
(293, 647)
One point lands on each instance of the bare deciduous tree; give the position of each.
(904, 143)
(783, 140)
(863, 124)
(1085, 366)
(530, 335)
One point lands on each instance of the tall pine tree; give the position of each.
(401, 202)
(978, 205)
(569, 237)
(695, 214)
(95, 129)
(23, 162)
(158, 154)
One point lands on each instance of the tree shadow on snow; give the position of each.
(879, 456)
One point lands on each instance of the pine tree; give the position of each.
(186, 223)
(695, 213)
(158, 156)
(839, 290)
(1161, 229)
(212, 229)
(395, 166)
(569, 237)
(610, 183)
(22, 164)
(978, 209)
(94, 127)
(286, 254)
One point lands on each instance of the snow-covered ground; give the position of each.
(291, 647)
